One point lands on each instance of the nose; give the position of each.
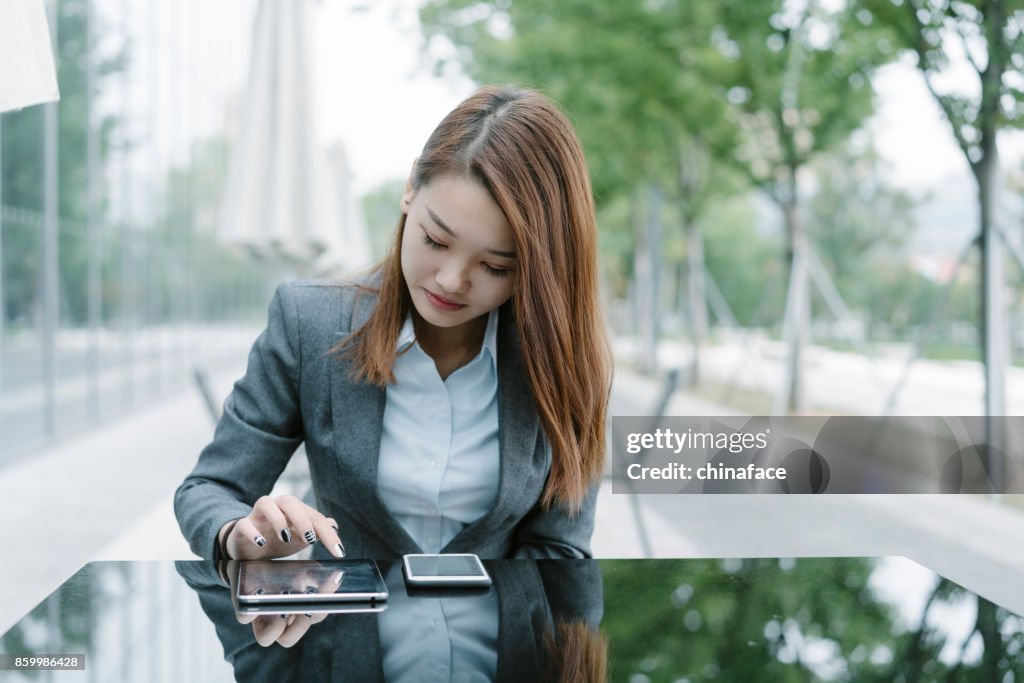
(453, 277)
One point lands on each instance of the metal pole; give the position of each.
(49, 256)
(3, 301)
(155, 189)
(127, 283)
(993, 328)
(92, 221)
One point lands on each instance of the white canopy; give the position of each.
(27, 75)
(283, 201)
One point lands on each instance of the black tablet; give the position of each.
(291, 582)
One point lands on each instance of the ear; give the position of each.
(409, 192)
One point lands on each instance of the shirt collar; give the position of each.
(407, 336)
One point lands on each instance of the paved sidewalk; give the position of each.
(104, 494)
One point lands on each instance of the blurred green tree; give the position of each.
(799, 85)
(986, 39)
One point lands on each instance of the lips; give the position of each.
(441, 302)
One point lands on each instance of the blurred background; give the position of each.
(805, 206)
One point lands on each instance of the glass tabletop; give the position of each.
(807, 619)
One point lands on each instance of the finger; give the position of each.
(246, 540)
(327, 530)
(295, 630)
(245, 618)
(268, 628)
(267, 508)
(298, 514)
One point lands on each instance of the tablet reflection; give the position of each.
(534, 619)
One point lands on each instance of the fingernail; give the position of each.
(341, 550)
(286, 535)
(284, 616)
(334, 527)
(309, 615)
(259, 540)
(311, 589)
(259, 591)
(337, 579)
(310, 536)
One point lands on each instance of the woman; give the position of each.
(454, 399)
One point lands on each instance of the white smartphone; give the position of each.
(463, 570)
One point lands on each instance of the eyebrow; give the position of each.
(440, 223)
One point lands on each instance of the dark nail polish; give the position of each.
(259, 540)
(286, 535)
(310, 536)
(259, 591)
(309, 615)
(311, 589)
(284, 616)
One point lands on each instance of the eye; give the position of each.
(496, 272)
(431, 243)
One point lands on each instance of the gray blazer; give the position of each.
(292, 392)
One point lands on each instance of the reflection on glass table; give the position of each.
(815, 619)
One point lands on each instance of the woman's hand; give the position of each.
(278, 527)
(284, 629)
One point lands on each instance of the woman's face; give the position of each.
(458, 255)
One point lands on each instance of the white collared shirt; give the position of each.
(438, 469)
(437, 639)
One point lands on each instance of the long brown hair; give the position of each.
(523, 150)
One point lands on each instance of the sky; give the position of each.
(376, 96)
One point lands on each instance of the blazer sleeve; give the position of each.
(259, 430)
(557, 533)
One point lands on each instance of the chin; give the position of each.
(436, 318)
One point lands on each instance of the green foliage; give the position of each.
(380, 207)
(166, 270)
(22, 174)
(744, 263)
(798, 620)
(715, 620)
(854, 214)
(631, 76)
(990, 38)
(799, 83)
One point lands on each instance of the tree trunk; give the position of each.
(986, 172)
(697, 296)
(797, 316)
(646, 274)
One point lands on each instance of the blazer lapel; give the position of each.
(357, 411)
(517, 416)
(517, 437)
